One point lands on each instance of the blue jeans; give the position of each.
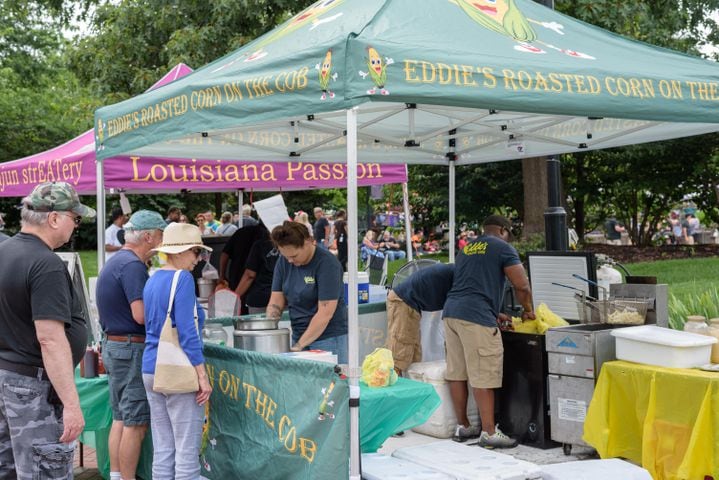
(337, 345)
(393, 255)
(176, 421)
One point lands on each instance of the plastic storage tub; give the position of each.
(376, 466)
(663, 347)
(442, 422)
(466, 462)
(595, 470)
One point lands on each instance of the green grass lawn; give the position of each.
(684, 276)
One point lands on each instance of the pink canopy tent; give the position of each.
(74, 162)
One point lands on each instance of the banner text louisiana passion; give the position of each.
(257, 401)
(149, 170)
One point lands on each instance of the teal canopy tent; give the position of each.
(447, 82)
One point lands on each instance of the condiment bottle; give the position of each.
(714, 332)
(696, 324)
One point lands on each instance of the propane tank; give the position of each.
(606, 275)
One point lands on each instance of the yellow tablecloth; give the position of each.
(666, 419)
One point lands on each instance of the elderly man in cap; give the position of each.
(44, 338)
(474, 342)
(122, 316)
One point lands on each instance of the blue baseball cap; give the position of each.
(145, 220)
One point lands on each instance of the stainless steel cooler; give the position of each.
(575, 356)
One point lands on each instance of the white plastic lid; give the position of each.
(362, 277)
(663, 336)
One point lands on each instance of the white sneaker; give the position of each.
(462, 433)
(498, 440)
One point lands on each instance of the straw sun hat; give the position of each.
(179, 237)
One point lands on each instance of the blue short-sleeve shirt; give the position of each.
(306, 285)
(119, 284)
(476, 293)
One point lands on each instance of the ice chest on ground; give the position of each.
(443, 421)
(595, 470)
(663, 347)
(376, 466)
(465, 462)
(362, 287)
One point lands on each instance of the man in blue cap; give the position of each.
(122, 316)
(44, 337)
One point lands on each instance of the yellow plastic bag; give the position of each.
(549, 317)
(378, 368)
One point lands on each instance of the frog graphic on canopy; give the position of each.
(505, 18)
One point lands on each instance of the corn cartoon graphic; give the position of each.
(325, 69)
(377, 71)
(505, 18)
(323, 413)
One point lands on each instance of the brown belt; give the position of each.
(126, 338)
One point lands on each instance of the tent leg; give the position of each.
(452, 229)
(352, 309)
(100, 190)
(407, 221)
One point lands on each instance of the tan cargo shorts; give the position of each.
(474, 353)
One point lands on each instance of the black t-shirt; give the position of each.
(426, 289)
(304, 286)
(262, 260)
(238, 248)
(319, 229)
(612, 233)
(35, 285)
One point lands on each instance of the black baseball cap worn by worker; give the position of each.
(499, 221)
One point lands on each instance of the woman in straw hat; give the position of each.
(177, 419)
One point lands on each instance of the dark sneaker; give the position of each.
(498, 440)
(462, 433)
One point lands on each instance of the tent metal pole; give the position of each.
(352, 309)
(240, 200)
(407, 221)
(100, 193)
(452, 187)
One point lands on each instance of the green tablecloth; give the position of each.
(383, 411)
(388, 410)
(95, 403)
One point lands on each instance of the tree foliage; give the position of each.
(135, 42)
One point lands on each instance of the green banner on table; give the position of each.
(274, 417)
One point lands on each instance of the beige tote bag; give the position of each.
(173, 371)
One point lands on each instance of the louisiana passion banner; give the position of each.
(274, 417)
(145, 174)
(153, 174)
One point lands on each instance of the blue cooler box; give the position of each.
(362, 287)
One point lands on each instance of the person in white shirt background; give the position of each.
(113, 242)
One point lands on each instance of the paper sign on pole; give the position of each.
(272, 211)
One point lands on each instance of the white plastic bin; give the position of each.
(469, 462)
(663, 347)
(376, 466)
(442, 422)
(611, 468)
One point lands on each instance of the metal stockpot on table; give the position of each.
(260, 334)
